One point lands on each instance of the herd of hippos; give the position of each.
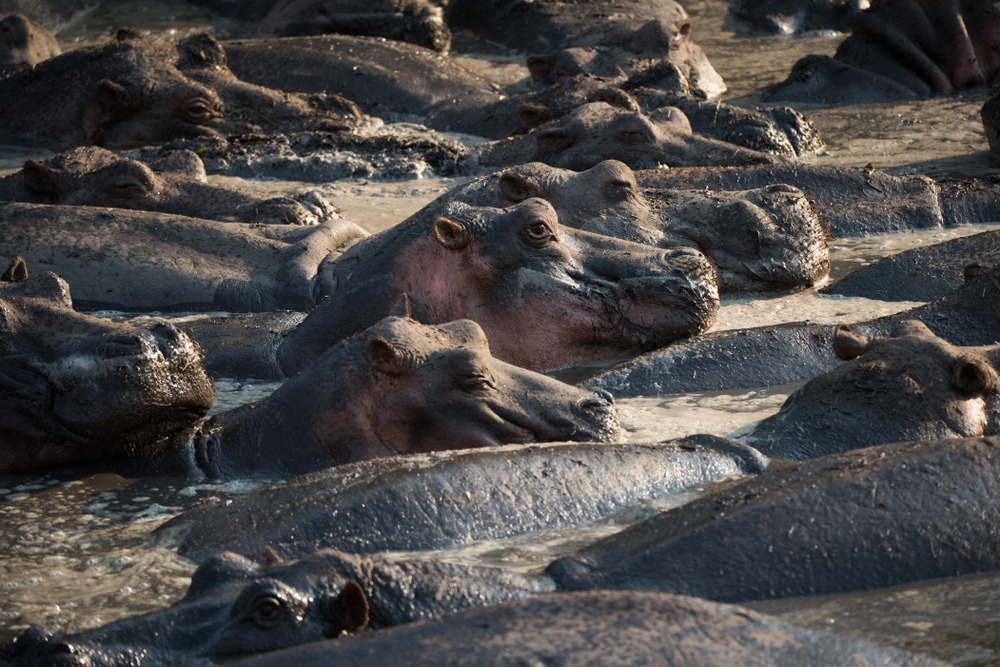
(567, 241)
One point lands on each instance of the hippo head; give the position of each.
(24, 41)
(910, 385)
(75, 387)
(234, 607)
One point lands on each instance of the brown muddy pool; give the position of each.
(77, 553)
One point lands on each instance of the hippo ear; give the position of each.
(17, 271)
(349, 611)
(974, 376)
(531, 116)
(271, 558)
(518, 187)
(540, 66)
(402, 307)
(43, 179)
(112, 101)
(615, 97)
(974, 270)
(849, 344)
(385, 358)
(201, 50)
(560, 137)
(452, 234)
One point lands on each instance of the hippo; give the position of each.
(608, 36)
(597, 131)
(22, 41)
(479, 494)
(545, 295)
(910, 385)
(419, 22)
(867, 518)
(235, 608)
(796, 352)
(143, 89)
(79, 388)
(595, 629)
(177, 183)
(759, 240)
(902, 49)
(785, 17)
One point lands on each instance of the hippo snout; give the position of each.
(599, 416)
(38, 647)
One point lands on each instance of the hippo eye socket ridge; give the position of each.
(632, 137)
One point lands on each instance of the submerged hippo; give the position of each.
(94, 176)
(76, 388)
(144, 89)
(784, 17)
(764, 239)
(22, 41)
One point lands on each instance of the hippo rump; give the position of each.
(177, 183)
(759, 240)
(545, 295)
(902, 49)
(785, 17)
(596, 629)
(22, 41)
(75, 388)
(143, 89)
(416, 21)
(610, 35)
(235, 608)
(857, 520)
(796, 352)
(479, 494)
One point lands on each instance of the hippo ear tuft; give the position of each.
(531, 116)
(17, 271)
(384, 358)
(452, 234)
(974, 376)
(270, 557)
(540, 66)
(849, 344)
(402, 307)
(43, 179)
(518, 187)
(350, 609)
(558, 138)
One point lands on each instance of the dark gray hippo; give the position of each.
(22, 41)
(139, 90)
(598, 629)
(759, 240)
(235, 608)
(481, 494)
(902, 49)
(76, 388)
(416, 21)
(910, 385)
(862, 519)
(610, 35)
(597, 131)
(799, 351)
(141, 260)
(784, 17)
(94, 176)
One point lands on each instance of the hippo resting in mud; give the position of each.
(399, 387)
(22, 41)
(902, 49)
(764, 239)
(608, 37)
(93, 176)
(143, 89)
(784, 17)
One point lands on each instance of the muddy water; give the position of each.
(76, 553)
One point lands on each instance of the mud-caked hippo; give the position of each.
(763, 239)
(94, 176)
(76, 388)
(22, 41)
(546, 295)
(143, 89)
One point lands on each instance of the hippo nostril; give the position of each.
(600, 401)
(782, 188)
(605, 395)
(55, 648)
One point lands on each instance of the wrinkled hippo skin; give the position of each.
(544, 294)
(903, 49)
(398, 387)
(910, 385)
(138, 90)
(481, 494)
(76, 388)
(597, 131)
(759, 240)
(862, 519)
(140, 260)
(93, 176)
(416, 21)
(598, 629)
(22, 41)
(784, 17)
(609, 36)
(235, 607)
(796, 352)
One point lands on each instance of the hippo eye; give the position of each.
(477, 381)
(127, 189)
(197, 111)
(632, 137)
(538, 233)
(266, 610)
(619, 190)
